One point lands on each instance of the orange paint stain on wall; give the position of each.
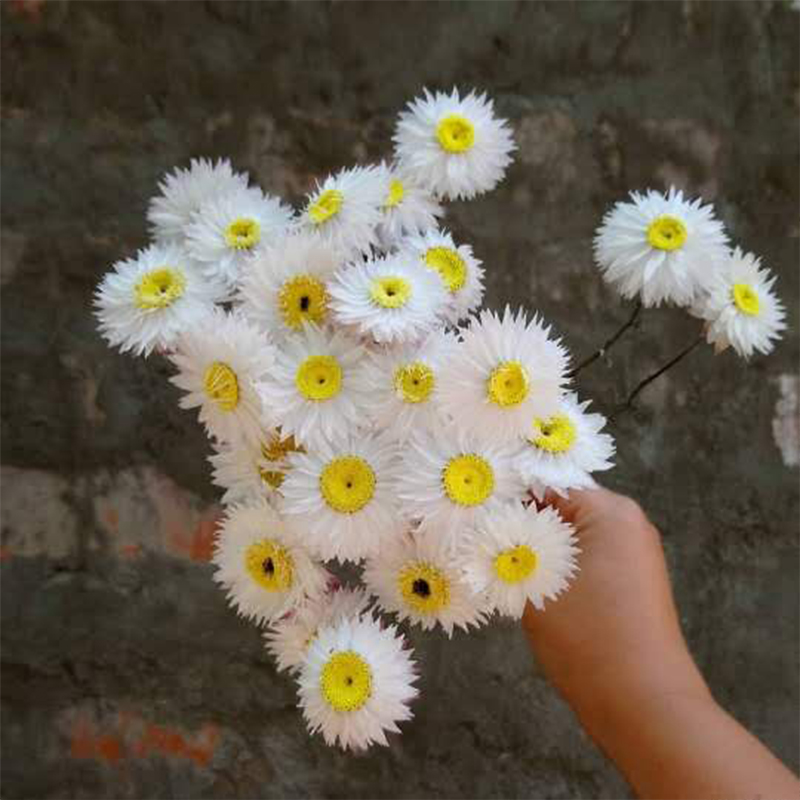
(199, 544)
(5, 553)
(130, 736)
(131, 550)
(111, 518)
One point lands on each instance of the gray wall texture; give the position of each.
(124, 674)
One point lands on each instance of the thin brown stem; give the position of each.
(600, 353)
(660, 371)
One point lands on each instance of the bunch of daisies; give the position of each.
(363, 410)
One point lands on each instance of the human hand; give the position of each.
(613, 639)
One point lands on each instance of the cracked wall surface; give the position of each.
(123, 672)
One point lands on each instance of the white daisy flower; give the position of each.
(183, 191)
(660, 247)
(146, 302)
(317, 388)
(451, 477)
(346, 209)
(460, 272)
(561, 451)
(505, 371)
(220, 362)
(404, 385)
(286, 285)
(455, 147)
(742, 309)
(261, 566)
(407, 209)
(420, 580)
(227, 230)
(520, 555)
(391, 299)
(356, 683)
(288, 639)
(248, 472)
(342, 496)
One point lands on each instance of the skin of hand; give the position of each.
(613, 647)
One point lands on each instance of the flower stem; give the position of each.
(660, 371)
(600, 353)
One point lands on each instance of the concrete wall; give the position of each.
(123, 672)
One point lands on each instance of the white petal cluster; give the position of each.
(220, 361)
(356, 683)
(661, 248)
(183, 191)
(343, 496)
(146, 302)
(263, 570)
(419, 579)
(288, 639)
(742, 309)
(346, 209)
(562, 451)
(393, 300)
(460, 273)
(286, 285)
(455, 147)
(408, 208)
(520, 555)
(506, 371)
(227, 230)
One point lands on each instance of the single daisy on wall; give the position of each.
(520, 555)
(356, 683)
(147, 301)
(742, 309)
(660, 247)
(456, 147)
(220, 360)
(261, 566)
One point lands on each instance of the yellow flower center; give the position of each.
(746, 299)
(556, 435)
(243, 234)
(346, 681)
(456, 134)
(390, 291)
(508, 384)
(328, 205)
(273, 450)
(424, 587)
(159, 288)
(414, 382)
(270, 565)
(666, 233)
(319, 378)
(468, 480)
(347, 484)
(303, 299)
(396, 194)
(451, 267)
(515, 564)
(221, 385)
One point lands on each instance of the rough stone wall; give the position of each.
(123, 672)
